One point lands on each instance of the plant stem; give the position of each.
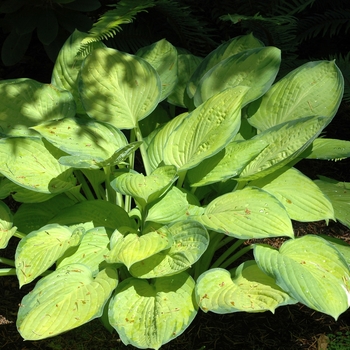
(7, 261)
(181, 179)
(144, 155)
(236, 256)
(84, 185)
(8, 272)
(19, 234)
(110, 193)
(227, 253)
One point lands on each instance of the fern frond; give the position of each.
(328, 23)
(110, 22)
(292, 7)
(343, 62)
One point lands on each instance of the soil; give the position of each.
(291, 327)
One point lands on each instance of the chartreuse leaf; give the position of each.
(170, 208)
(186, 65)
(37, 251)
(227, 163)
(248, 213)
(83, 138)
(132, 247)
(311, 270)
(315, 88)
(28, 163)
(31, 216)
(190, 240)
(26, 102)
(7, 230)
(100, 212)
(330, 149)
(237, 70)
(118, 88)
(340, 245)
(148, 314)
(249, 290)
(90, 252)
(206, 130)
(67, 66)
(339, 195)
(63, 300)
(163, 57)
(285, 142)
(308, 203)
(225, 50)
(145, 189)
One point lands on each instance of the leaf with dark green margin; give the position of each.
(26, 102)
(248, 213)
(118, 88)
(63, 300)
(311, 270)
(37, 251)
(148, 314)
(249, 290)
(7, 230)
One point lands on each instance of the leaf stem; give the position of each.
(84, 185)
(7, 261)
(228, 252)
(144, 155)
(234, 257)
(8, 272)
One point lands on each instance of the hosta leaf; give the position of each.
(6, 225)
(40, 249)
(225, 50)
(145, 189)
(32, 216)
(90, 252)
(132, 248)
(118, 88)
(249, 290)
(285, 142)
(186, 65)
(308, 203)
(311, 270)
(247, 213)
(315, 88)
(100, 212)
(206, 130)
(237, 70)
(330, 149)
(28, 163)
(190, 240)
(150, 314)
(163, 57)
(227, 163)
(67, 66)
(82, 137)
(26, 102)
(170, 208)
(63, 300)
(339, 195)
(342, 246)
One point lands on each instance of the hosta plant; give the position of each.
(144, 178)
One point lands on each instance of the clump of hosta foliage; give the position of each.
(137, 215)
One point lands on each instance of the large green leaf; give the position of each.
(339, 195)
(7, 229)
(145, 189)
(225, 50)
(186, 65)
(303, 200)
(91, 251)
(256, 68)
(26, 102)
(315, 88)
(249, 290)
(227, 163)
(28, 163)
(206, 130)
(67, 66)
(190, 240)
(311, 270)
(330, 149)
(83, 138)
(118, 88)
(63, 300)
(286, 142)
(148, 314)
(247, 213)
(37, 251)
(163, 57)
